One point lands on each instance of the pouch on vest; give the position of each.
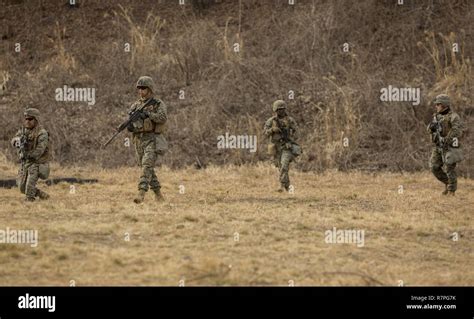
(453, 155)
(296, 149)
(43, 171)
(271, 149)
(161, 128)
(161, 144)
(148, 125)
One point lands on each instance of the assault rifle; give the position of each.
(132, 117)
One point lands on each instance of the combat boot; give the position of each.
(140, 197)
(450, 193)
(282, 189)
(29, 199)
(445, 192)
(158, 196)
(41, 194)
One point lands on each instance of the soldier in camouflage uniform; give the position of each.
(446, 130)
(32, 142)
(148, 137)
(281, 130)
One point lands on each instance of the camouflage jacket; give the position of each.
(37, 145)
(451, 128)
(156, 120)
(288, 130)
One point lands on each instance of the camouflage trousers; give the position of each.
(445, 173)
(145, 148)
(283, 159)
(28, 176)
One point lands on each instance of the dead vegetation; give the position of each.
(220, 64)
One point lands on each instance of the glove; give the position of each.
(432, 127)
(130, 127)
(276, 130)
(16, 142)
(144, 115)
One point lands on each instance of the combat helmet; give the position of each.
(146, 81)
(442, 99)
(278, 105)
(32, 112)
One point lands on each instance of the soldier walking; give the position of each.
(32, 142)
(446, 130)
(148, 137)
(281, 130)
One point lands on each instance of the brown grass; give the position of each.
(192, 236)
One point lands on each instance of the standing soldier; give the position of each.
(281, 130)
(445, 129)
(148, 137)
(32, 142)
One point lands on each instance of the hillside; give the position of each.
(211, 89)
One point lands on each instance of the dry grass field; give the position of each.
(228, 226)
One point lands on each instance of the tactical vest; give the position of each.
(284, 124)
(445, 121)
(283, 140)
(32, 143)
(148, 125)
